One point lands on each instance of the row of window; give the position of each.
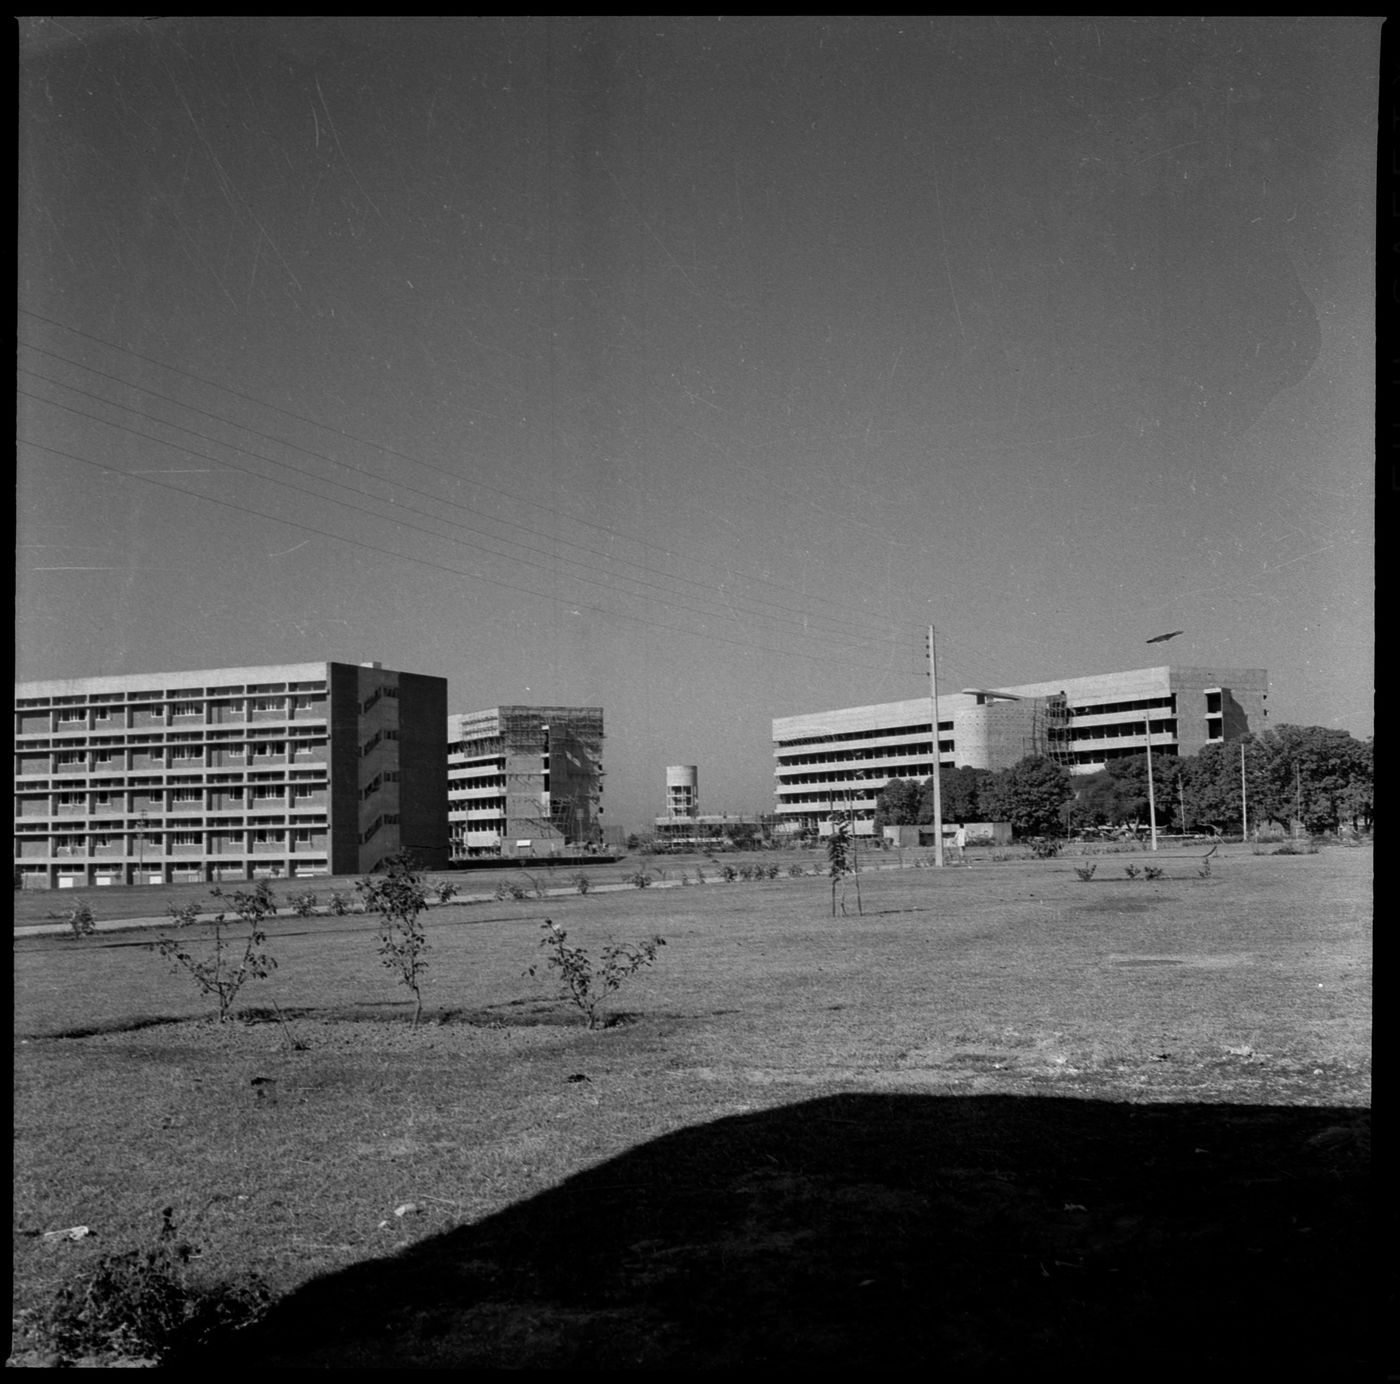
(153, 782)
(149, 735)
(64, 845)
(474, 805)
(258, 792)
(82, 715)
(1167, 703)
(459, 830)
(174, 693)
(1120, 730)
(852, 756)
(869, 733)
(181, 754)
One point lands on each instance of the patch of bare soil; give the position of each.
(367, 1029)
(986, 1234)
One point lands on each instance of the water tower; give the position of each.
(682, 790)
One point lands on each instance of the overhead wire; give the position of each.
(823, 657)
(667, 597)
(857, 619)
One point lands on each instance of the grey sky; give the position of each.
(692, 367)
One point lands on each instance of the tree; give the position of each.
(1211, 782)
(1129, 793)
(1095, 799)
(960, 791)
(1315, 773)
(840, 860)
(399, 897)
(1030, 795)
(897, 804)
(222, 971)
(580, 982)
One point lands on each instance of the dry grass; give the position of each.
(1248, 991)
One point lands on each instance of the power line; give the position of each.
(668, 596)
(837, 627)
(437, 566)
(389, 451)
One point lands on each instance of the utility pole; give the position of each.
(1244, 800)
(1297, 797)
(1151, 792)
(937, 775)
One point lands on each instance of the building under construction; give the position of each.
(524, 781)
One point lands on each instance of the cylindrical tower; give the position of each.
(682, 790)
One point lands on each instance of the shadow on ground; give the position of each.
(984, 1234)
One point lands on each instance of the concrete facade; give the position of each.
(839, 761)
(214, 774)
(524, 781)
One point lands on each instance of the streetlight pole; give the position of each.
(937, 775)
(1151, 792)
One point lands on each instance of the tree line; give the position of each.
(1312, 774)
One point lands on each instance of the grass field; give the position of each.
(1003, 1116)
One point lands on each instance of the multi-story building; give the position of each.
(524, 780)
(838, 761)
(228, 774)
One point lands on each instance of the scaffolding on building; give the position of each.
(1049, 733)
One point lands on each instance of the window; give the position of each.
(265, 837)
(266, 748)
(186, 752)
(72, 799)
(186, 795)
(267, 703)
(263, 792)
(188, 838)
(71, 714)
(71, 757)
(185, 709)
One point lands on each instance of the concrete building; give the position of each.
(524, 781)
(840, 760)
(228, 774)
